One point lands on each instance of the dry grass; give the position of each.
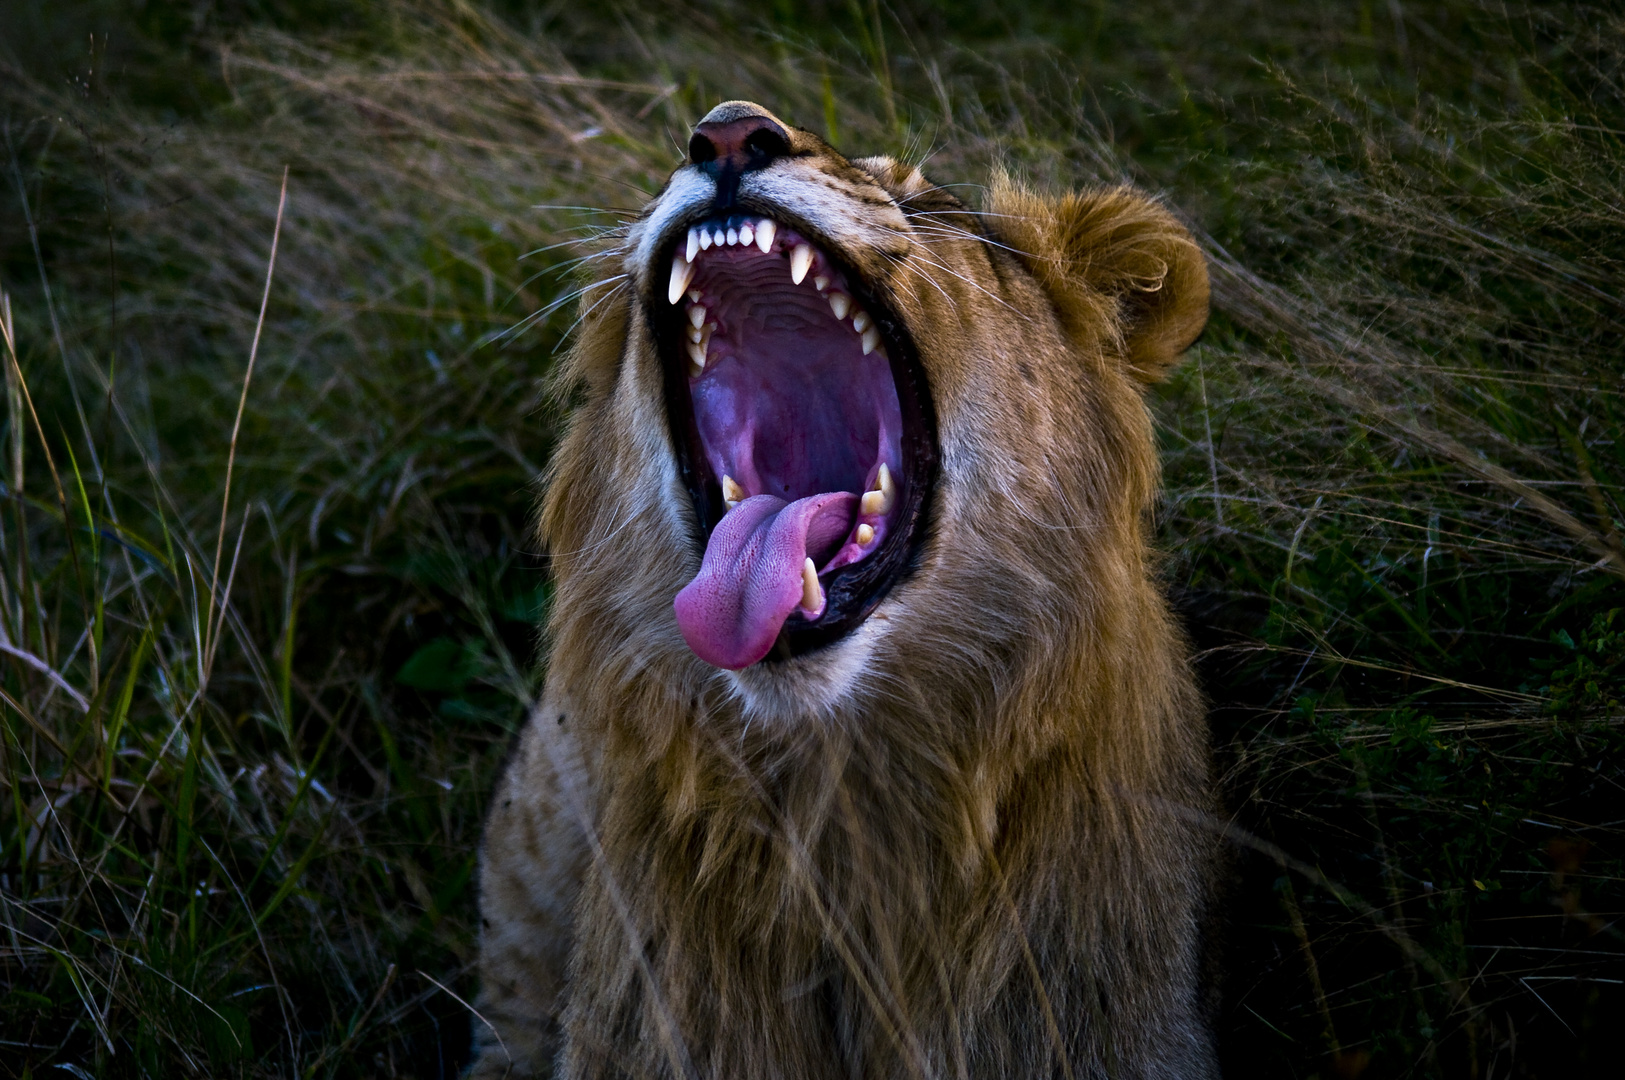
(246, 741)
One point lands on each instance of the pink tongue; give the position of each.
(750, 579)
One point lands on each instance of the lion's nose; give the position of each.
(738, 136)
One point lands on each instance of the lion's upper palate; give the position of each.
(798, 417)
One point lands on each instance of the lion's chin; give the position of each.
(813, 687)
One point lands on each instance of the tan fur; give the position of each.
(955, 843)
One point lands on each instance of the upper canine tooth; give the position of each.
(821, 282)
(840, 303)
(765, 230)
(860, 321)
(681, 271)
(733, 237)
(696, 316)
(812, 597)
(693, 244)
(747, 235)
(732, 493)
(871, 338)
(800, 262)
(705, 242)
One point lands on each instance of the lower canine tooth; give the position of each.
(681, 271)
(879, 500)
(765, 231)
(840, 303)
(811, 595)
(800, 263)
(866, 533)
(871, 338)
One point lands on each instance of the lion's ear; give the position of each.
(1115, 264)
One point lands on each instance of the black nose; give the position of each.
(750, 142)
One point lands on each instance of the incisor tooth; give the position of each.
(800, 263)
(732, 493)
(765, 231)
(705, 239)
(696, 316)
(733, 237)
(871, 338)
(693, 244)
(866, 533)
(840, 303)
(860, 321)
(681, 271)
(812, 597)
(747, 235)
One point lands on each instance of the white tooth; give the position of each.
(871, 339)
(879, 500)
(694, 295)
(747, 235)
(705, 240)
(860, 321)
(812, 597)
(866, 533)
(720, 238)
(733, 237)
(696, 316)
(821, 282)
(732, 493)
(681, 271)
(693, 244)
(765, 231)
(800, 262)
(840, 303)
(695, 334)
(696, 353)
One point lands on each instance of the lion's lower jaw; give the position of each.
(813, 686)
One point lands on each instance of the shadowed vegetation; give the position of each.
(247, 731)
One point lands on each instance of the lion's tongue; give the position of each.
(750, 579)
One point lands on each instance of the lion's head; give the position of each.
(835, 418)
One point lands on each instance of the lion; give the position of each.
(868, 745)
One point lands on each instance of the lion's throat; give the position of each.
(754, 574)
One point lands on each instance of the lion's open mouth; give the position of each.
(803, 432)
